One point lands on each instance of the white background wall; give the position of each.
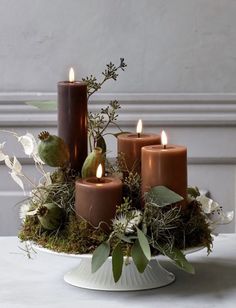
(170, 46)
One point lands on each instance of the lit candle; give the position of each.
(72, 118)
(165, 165)
(96, 198)
(130, 146)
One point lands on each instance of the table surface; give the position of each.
(38, 282)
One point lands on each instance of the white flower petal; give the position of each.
(208, 205)
(8, 162)
(17, 179)
(29, 144)
(221, 217)
(16, 166)
(2, 155)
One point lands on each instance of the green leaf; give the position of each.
(138, 256)
(100, 255)
(162, 196)
(177, 257)
(143, 242)
(193, 192)
(120, 133)
(117, 262)
(44, 105)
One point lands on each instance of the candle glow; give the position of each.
(99, 171)
(139, 127)
(163, 138)
(71, 75)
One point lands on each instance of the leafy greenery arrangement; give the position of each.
(160, 227)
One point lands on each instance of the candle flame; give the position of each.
(163, 138)
(139, 127)
(71, 75)
(99, 171)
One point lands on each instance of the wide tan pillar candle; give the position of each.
(165, 165)
(96, 199)
(130, 146)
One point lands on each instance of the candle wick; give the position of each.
(139, 135)
(164, 146)
(99, 180)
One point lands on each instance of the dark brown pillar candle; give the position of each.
(165, 165)
(72, 119)
(130, 146)
(96, 199)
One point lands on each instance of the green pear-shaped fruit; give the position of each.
(101, 143)
(52, 150)
(50, 216)
(91, 163)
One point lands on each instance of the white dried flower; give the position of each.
(3, 156)
(29, 144)
(127, 225)
(214, 212)
(17, 179)
(30, 147)
(24, 209)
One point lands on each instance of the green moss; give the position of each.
(79, 237)
(75, 236)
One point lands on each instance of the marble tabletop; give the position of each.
(38, 282)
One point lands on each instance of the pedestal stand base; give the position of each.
(154, 276)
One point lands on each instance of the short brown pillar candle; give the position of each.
(165, 165)
(96, 199)
(130, 146)
(72, 119)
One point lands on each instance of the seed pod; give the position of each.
(101, 143)
(52, 150)
(91, 163)
(50, 216)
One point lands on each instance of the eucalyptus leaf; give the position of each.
(177, 257)
(162, 196)
(143, 242)
(100, 255)
(117, 262)
(138, 256)
(44, 105)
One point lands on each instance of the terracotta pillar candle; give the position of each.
(96, 199)
(72, 119)
(130, 145)
(165, 165)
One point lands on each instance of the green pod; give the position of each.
(101, 143)
(50, 216)
(52, 150)
(91, 163)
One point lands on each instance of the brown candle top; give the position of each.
(169, 147)
(135, 136)
(104, 181)
(72, 84)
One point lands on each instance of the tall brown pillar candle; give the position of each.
(165, 165)
(130, 146)
(72, 119)
(96, 199)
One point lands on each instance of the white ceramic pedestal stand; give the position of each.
(154, 276)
